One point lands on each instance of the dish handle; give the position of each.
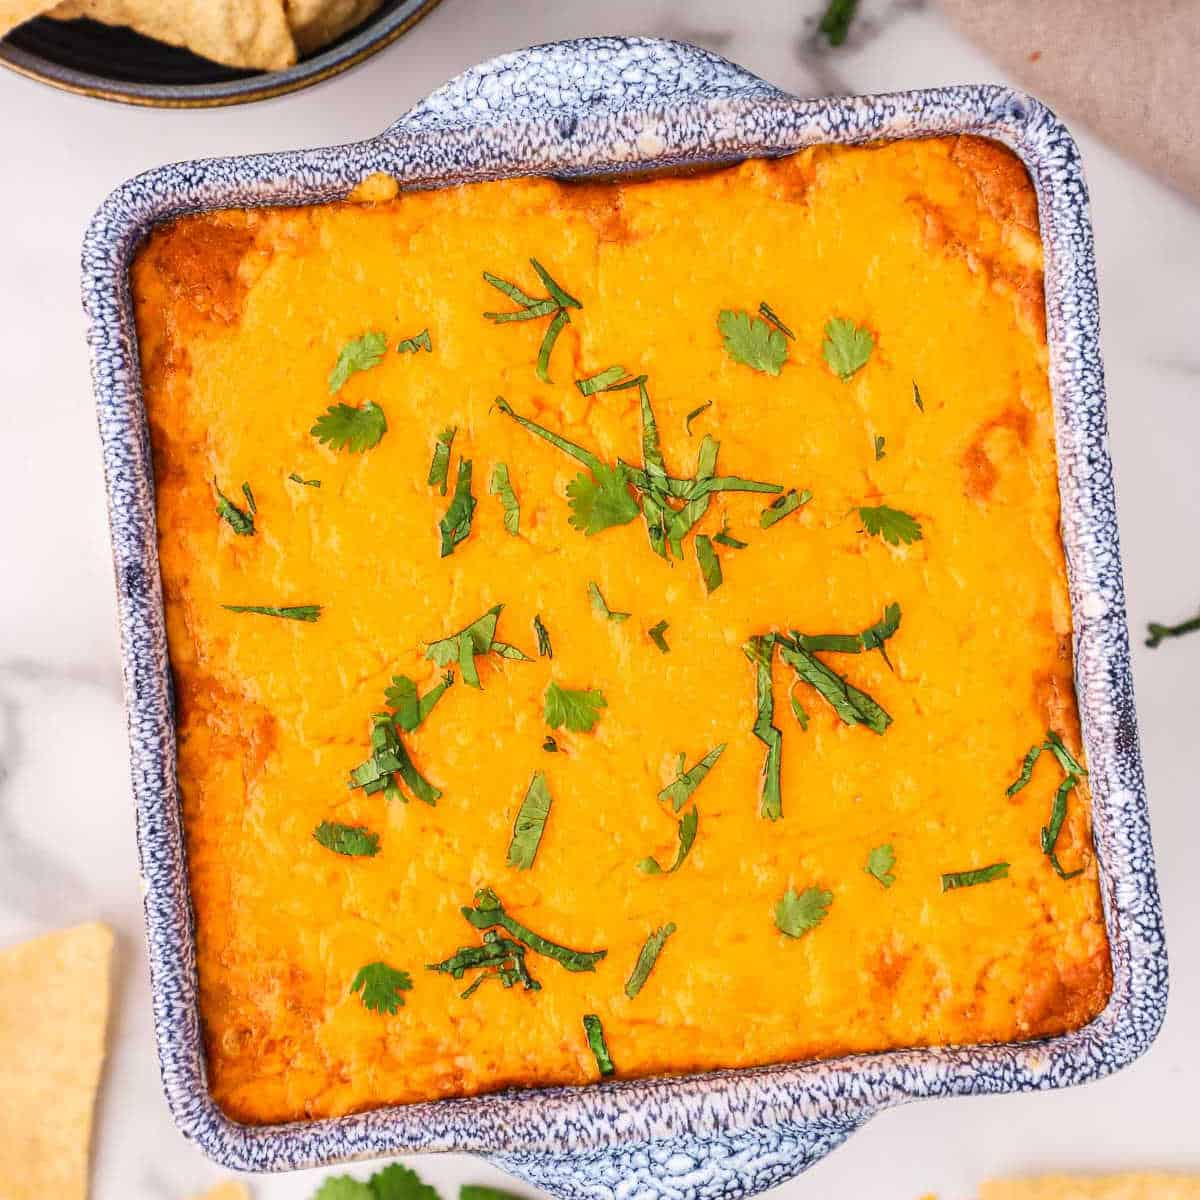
(738, 1163)
(574, 78)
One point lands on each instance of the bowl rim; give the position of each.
(640, 104)
(371, 36)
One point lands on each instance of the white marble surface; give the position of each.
(66, 826)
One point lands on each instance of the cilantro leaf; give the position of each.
(356, 429)
(354, 841)
(488, 911)
(380, 987)
(686, 830)
(294, 612)
(409, 709)
(477, 638)
(501, 953)
(677, 794)
(532, 309)
(835, 24)
(917, 397)
(601, 500)
(439, 467)
(420, 341)
(544, 647)
(646, 959)
(455, 525)
(799, 912)
(1158, 633)
(242, 523)
(602, 381)
(600, 608)
(846, 347)
(761, 651)
(360, 354)
(874, 637)
(398, 1182)
(880, 452)
(752, 341)
(783, 506)
(893, 525)
(962, 879)
(880, 862)
(687, 421)
(725, 538)
(472, 1192)
(295, 478)
(710, 564)
(658, 635)
(343, 1187)
(389, 757)
(501, 486)
(597, 1044)
(530, 822)
(852, 704)
(578, 710)
(249, 498)
(798, 711)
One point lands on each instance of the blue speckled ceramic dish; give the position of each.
(599, 106)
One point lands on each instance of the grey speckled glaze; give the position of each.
(596, 106)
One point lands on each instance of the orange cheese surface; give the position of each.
(932, 246)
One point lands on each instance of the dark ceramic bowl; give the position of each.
(114, 63)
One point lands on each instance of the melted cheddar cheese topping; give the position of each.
(933, 247)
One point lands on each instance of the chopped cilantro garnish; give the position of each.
(768, 314)
(835, 24)
(477, 638)
(597, 1044)
(601, 500)
(646, 959)
(501, 486)
(550, 745)
(249, 499)
(242, 523)
(354, 841)
(917, 397)
(799, 912)
(356, 429)
(874, 637)
(295, 478)
(687, 421)
(455, 525)
(880, 452)
(498, 958)
(531, 820)
(658, 635)
(880, 862)
(602, 381)
(532, 309)
(760, 651)
(710, 564)
(1072, 776)
(688, 824)
(783, 506)
(1157, 633)
(544, 648)
(890, 524)
(578, 710)
(420, 341)
(409, 709)
(678, 793)
(488, 912)
(798, 711)
(390, 758)
(294, 612)
(846, 347)
(600, 607)
(962, 879)
(752, 341)
(725, 538)
(395, 1182)
(439, 468)
(854, 706)
(360, 354)
(380, 986)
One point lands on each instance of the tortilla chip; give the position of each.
(53, 1014)
(17, 12)
(229, 1190)
(316, 23)
(1095, 1187)
(239, 33)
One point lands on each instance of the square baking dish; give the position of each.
(596, 107)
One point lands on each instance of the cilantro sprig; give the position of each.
(556, 305)
(409, 709)
(498, 958)
(488, 912)
(1157, 633)
(1073, 774)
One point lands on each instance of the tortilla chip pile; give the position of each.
(263, 35)
(1095, 1187)
(53, 1014)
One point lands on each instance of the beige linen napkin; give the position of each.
(1126, 71)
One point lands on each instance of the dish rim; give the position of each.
(709, 113)
(372, 35)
